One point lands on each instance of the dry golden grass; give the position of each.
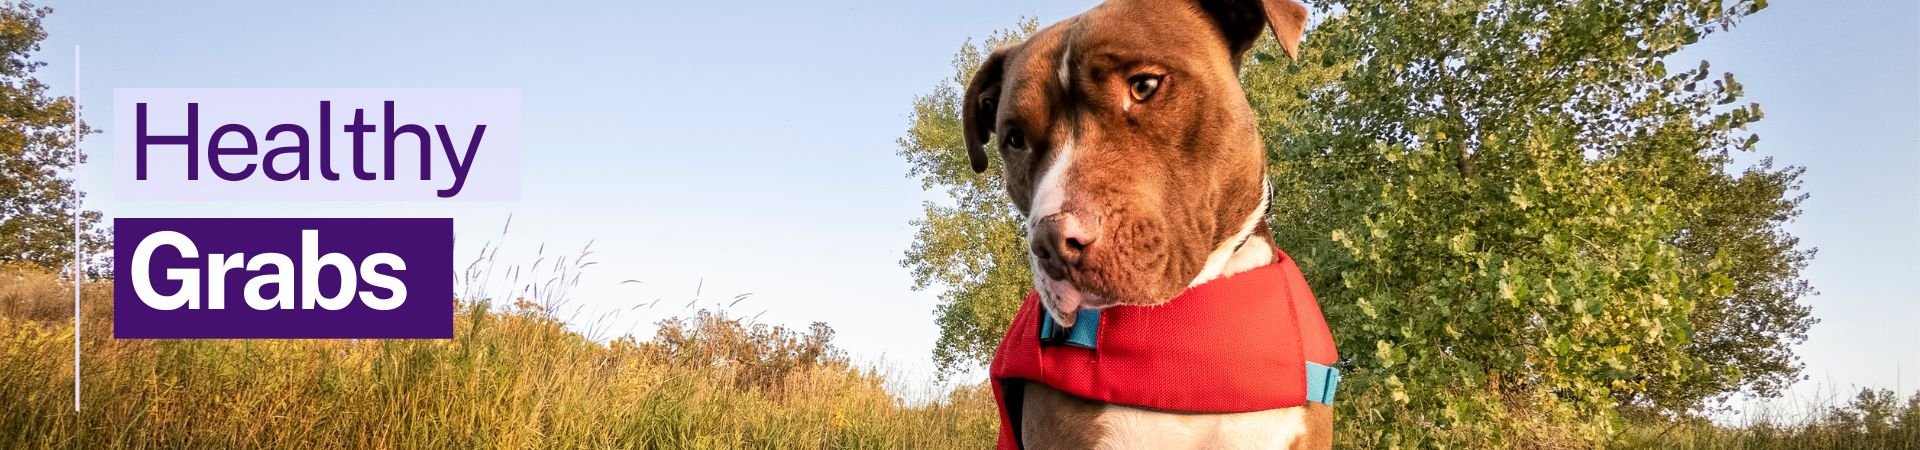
(511, 378)
(516, 377)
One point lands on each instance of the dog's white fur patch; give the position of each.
(1066, 68)
(1225, 259)
(1051, 193)
(1140, 428)
(1048, 198)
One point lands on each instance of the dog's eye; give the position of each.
(1016, 141)
(1143, 86)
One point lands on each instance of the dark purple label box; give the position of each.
(332, 278)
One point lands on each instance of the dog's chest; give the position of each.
(1139, 428)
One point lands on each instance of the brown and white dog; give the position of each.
(1133, 152)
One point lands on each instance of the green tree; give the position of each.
(36, 146)
(1521, 222)
(1747, 334)
(971, 249)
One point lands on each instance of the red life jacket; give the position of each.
(1248, 342)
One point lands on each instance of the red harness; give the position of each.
(1235, 344)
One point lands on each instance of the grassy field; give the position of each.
(1873, 419)
(514, 377)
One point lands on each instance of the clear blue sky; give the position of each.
(751, 145)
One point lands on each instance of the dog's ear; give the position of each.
(980, 106)
(1242, 21)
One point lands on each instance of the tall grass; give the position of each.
(513, 377)
(517, 376)
(1873, 419)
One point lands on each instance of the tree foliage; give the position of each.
(972, 249)
(36, 145)
(1519, 221)
(1750, 331)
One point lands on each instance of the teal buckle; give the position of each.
(1082, 335)
(1321, 382)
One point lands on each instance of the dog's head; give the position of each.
(1129, 144)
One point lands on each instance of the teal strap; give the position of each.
(1321, 382)
(1083, 334)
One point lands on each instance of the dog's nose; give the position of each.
(1060, 242)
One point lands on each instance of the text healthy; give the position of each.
(300, 278)
(317, 144)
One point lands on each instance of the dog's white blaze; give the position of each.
(1066, 72)
(1048, 197)
(1223, 260)
(1051, 193)
(1140, 428)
